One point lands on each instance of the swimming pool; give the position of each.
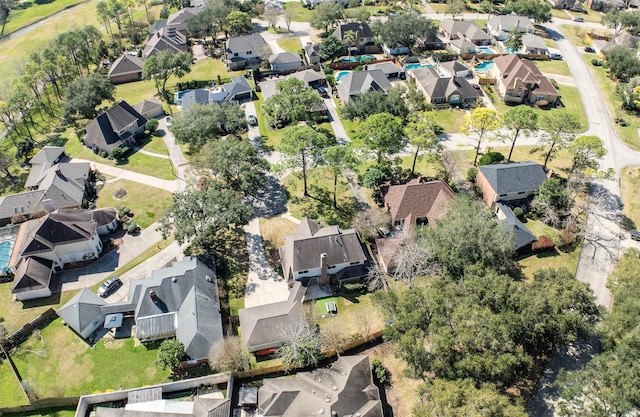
(341, 74)
(417, 65)
(484, 66)
(485, 50)
(6, 248)
(362, 58)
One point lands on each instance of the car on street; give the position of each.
(169, 121)
(589, 50)
(252, 119)
(109, 286)
(578, 19)
(635, 235)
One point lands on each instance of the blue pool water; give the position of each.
(484, 66)
(341, 74)
(485, 50)
(6, 248)
(417, 65)
(362, 58)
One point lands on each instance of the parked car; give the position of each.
(578, 19)
(323, 92)
(589, 50)
(168, 121)
(252, 119)
(556, 56)
(109, 285)
(477, 88)
(635, 235)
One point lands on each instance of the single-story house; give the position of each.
(83, 313)
(310, 77)
(390, 69)
(418, 202)
(245, 51)
(534, 44)
(166, 39)
(265, 327)
(395, 50)
(285, 62)
(464, 29)
(462, 46)
(363, 35)
(360, 82)
(312, 254)
(444, 91)
(602, 46)
(114, 128)
(312, 52)
(454, 68)
(522, 237)
(509, 182)
(521, 81)
(499, 26)
(344, 389)
(126, 69)
(149, 108)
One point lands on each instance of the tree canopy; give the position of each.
(292, 102)
(331, 48)
(586, 151)
(559, 127)
(622, 63)
(326, 14)
(539, 10)
(239, 22)
(170, 354)
(373, 102)
(405, 30)
(481, 121)
(163, 65)
(85, 94)
(520, 119)
(380, 135)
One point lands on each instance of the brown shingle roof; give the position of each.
(418, 200)
(515, 70)
(45, 233)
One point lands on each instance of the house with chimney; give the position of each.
(116, 127)
(363, 39)
(166, 39)
(245, 51)
(323, 255)
(519, 80)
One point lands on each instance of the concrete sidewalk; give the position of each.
(171, 186)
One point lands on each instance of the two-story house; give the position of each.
(463, 29)
(509, 182)
(245, 51)
(116, 127)
(521, 81)
(363, 38)
(499, 26)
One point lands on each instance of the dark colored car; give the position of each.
(108, 287)
(323, 92)
(477, 88)
(635, 235)
(589, 49)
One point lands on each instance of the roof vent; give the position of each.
(174, 279)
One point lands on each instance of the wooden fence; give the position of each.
(22, 333)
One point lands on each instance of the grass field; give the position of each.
(12, 394)
(560, 164)
(300, 13)
(290, 44)
(354, 312)
(146, 210)
(272, 231)
(155, 144)
(319, 205)
(553, 66)
(20, 18)
(629, 185)
(57, 362)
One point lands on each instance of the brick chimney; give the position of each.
(324, 275)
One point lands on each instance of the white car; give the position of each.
(168, 121)
(108, 286)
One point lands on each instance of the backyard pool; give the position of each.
(6, 248)
(341, 74)
(417, 65)
(361, 58)
(484, 66)
(485, 50)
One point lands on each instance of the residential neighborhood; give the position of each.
(283, 208)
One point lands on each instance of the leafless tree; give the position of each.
(413, 260)
(376, 279)
(302, 347)
(288, 17)
(229, 354)
(333, 336)
(363, 325)
(272, 15)
(369, 221)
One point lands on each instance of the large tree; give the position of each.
(5, 12)
(84, 94)
(423, 132)
(585, 152)
(619, 20)
(481, 121)
(326, 14)
(331, 48)
(302, 345)
(236, 163)
(239, 22)
(170, 354)
(519, 119)
(374, 102)
(301, 147)
(229, 355)
(405, 30)
(338, 158)
(380, 135)
(559, 126)
(513, 43)
(292, 102)
(539, 10)
(454, 8)
(622, 63)
(165, 64)
(200, 124)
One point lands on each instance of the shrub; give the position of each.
(543, 244)
(327, 70)
(490, 158)
(472, 173)
(164, 13)
(331, 80)
(119, 153)
(124, 211)
(478, 190)
(596, 63)
(133, 226)
(59, 129)
(151, 125)
(518, 212)
(380, 373)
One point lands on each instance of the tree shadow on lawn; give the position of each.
(319, 206)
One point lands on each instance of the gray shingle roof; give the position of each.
(196, 96)
(43, 234)
(513, 177)
(285, 58)
(443, 87)
(126, 64)
(148, 105)
(31, 274)
(166, 39)
(245, 43)
(361, 82)
(103, 134)
(42, 161)
(522, 235)
(237, 86)
(82, 310)
(26, 203)
(387, 67)
(362, 30)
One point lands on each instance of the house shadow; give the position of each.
(52, 300)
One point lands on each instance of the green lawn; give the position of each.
(12, 394)
(301, 13)
(353, 309)
(553, 66)
(146, 210)
(554, 259)
(155, 144)
(590, 15)
(290, 44)
(319, 205)
(451, 120)
(137, 162)
(57, 362)
(24, 17)
(630, 184)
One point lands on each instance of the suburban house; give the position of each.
(237, 90)
(310, 77)
(52, 183)
(534, 44)
(178, 301)
(521, 81)
(116, 127)
(264, 327)
(390, 69)
(453, 68)
(315, 255)
(178, 20)
(464, 29)
(363, 38)
(395, 50)
(499, 26)
(166, 39)
(418, 202)
(59, 238)
(444, 91)
(149, 108)
(510, 182)
(83, 313)
(360, 82)
(602, 46)
(312, 53)
(522, 237)
(245, 51)
(627, 40)
(462, 46)
(285, 62)
(573, 5)
(344, 389)
(126, 69)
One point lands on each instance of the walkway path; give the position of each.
(149, 180)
